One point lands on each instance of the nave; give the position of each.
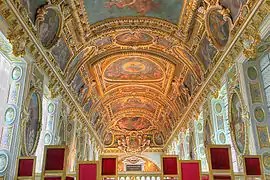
(134, 89)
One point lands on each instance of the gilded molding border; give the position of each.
(225, 17)
(25, 119)
(41, 13)
(236, 91)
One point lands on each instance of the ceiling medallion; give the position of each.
(49, 22)
(218, 25)
(136, 38)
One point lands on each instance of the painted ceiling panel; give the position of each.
(133, 69)
(99, 10)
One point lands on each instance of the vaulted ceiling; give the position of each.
(134, 66)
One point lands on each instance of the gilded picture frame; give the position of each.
(26, 119)
(226, 18)
(41, 17)
(236, 92)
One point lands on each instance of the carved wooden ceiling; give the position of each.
(134, 66)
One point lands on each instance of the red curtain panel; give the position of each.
(170, 166)
(109, 166)
(253, 166)
(190, 171)
(25, 167)
(87, 172)
(55, 159)
(220, 158)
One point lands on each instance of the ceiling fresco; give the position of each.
(99, 10)
(133, 69)
(135, 66)
(235, 7)
(32, 6)
(133, 123)
(134, 38)
(133, 102)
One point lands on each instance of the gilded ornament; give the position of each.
(238, 116)
(259, 114)
(250, 44)
(32, 122)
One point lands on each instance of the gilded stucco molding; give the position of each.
(250, 43)
(26, 117)
(7, 9)
(256, 17)
(245, 118)
(15, 31)
(189, 16)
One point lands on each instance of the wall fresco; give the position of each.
(237, 123)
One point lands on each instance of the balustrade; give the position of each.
(139, 176)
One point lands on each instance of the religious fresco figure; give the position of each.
(32, 6)
(133, 68)
(133, 123)
(99, 10)
(159, 140)
(219, 28)
(134, 38)
(234, 6)
(142, 7)
(49, 28)
(181, 91)
(237, 124)
(61, 53)
(206, 52)
(32, 125)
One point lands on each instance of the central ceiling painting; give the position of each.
(133, 102)
(133, 69)
(133, 123)
(99, 10)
